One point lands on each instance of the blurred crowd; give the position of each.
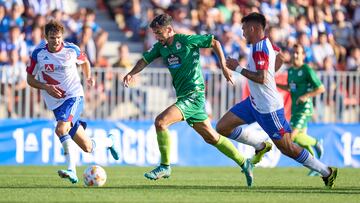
(328, 29)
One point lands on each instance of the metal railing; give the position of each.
(152, 92)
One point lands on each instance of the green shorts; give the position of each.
(192, 107)
(299, 121)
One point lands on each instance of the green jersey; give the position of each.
(302, 80)
(182, 58)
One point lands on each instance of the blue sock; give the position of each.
(304, 154)
(235, 134)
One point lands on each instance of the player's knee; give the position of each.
(220, 128)
(61, 130)
(160, 124)
(210, 140)
(88, 148)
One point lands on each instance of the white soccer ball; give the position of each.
(94, 176)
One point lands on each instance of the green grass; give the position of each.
(187, 184)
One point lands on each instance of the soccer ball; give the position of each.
(94, 176)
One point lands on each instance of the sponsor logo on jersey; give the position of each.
(46, 58)
(174, 61)
(261, 63)
(49, 67)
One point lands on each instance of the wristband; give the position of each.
(239, 69)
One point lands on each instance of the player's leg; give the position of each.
(63, 117)
(171, 115)
(279, 130)
(225, 146)
(231, 126)
(298, 123)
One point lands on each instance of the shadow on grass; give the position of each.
(255, 189)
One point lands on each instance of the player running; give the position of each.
(181, 55)
(303, 84)
(54, 65)
(265, 105)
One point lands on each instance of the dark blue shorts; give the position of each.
(273, 123)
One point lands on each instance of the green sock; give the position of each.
(306, 141)
(163, 138)
(226, 147)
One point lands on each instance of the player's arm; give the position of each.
(86, 69)
(303, 98)
(50, 89)
(139, 66)
(283, 87)
(259, 76)
(216, 46)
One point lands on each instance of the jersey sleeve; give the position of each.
(152, 54)
(261, 55)
(32, 64)
(200, 41)
(313, 78)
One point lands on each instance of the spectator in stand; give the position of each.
(14, 77)
(87, 44)
(230, 46)
(323, 49)
(320, 26)
(15, 15)
(181, 23)
(304, 41)
(124, 58)
(4, 22)
(227, 8)
(320, 6)
(343, 35)
(208, 61)
(353, 61)
(100, 36)
(16, 42)
(272, 10)
(301, 26)
(36, 38)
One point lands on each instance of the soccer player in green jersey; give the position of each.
(303, 84)
(181, 55)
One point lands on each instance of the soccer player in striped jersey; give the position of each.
(53, 70)
(265, 104)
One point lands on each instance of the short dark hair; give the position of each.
(255, 17)
(297, 45)
(54, 26)
(161, 20)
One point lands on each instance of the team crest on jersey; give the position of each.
(178, 45)
(300, 73)
(49, 67)
(67, 56)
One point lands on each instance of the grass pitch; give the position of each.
(187, 184)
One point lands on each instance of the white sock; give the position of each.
(68, 146)
(316, 165)
(247, 136)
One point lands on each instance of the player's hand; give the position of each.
(55, 91)
(227, 75)
(90, 82)
(231, 63)
(301, 99)
(127, 79)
